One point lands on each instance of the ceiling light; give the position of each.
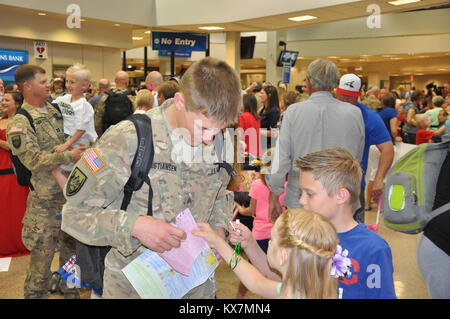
(137, 38)
(42, 14)
(402, 2)
(211, 28)
(333, 57)
(302, 18)
(116, 24)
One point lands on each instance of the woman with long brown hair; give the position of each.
(269, 114)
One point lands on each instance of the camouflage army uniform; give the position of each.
(372, 102)
(100, 110)
(41, 229)
(176, 186)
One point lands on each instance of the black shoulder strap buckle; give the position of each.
(218, 142)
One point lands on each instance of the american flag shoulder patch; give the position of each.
(93, 161)
(16, 129)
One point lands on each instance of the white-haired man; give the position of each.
(319, 123)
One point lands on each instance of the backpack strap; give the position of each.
(28, 116)
(218, 146)
(56, 106)
(439, 211)
(30, 119)
(142, 161)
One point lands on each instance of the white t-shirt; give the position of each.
(78, 115)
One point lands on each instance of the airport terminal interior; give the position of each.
(399, 46)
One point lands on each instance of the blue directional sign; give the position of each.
(10, 60)
(286, 72)
(178, 54)
(179, 41)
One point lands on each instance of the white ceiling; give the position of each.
(331, 13)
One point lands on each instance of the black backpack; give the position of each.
(91, 259)
(22, 173)
(117, 108)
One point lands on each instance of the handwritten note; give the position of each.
(175, 272)
(182, 258)
(153, 278)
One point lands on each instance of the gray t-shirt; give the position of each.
(407, 127)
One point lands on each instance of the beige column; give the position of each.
(233, 50)
(274, 73)
(373, 79)
(164, 66)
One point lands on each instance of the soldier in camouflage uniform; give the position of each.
(371, 100)
(121, 81)
(94, 190)
(41, 228)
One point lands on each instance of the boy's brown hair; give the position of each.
(26, 72)
(168, 89)
(211, 87)
(334, 168)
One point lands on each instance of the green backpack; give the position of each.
(410, 188)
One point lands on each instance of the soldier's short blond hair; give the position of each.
(144, 98)
(211, 87)
(80, 71)
(334, 168)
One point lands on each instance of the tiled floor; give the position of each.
(408, 281)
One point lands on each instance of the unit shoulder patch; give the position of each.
(16, 141)
(75, 182)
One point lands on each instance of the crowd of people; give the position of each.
(318, 159)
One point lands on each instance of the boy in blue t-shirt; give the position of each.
(330, 185)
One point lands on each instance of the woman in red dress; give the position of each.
(13, 197)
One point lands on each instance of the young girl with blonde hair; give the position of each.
(303, 248)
